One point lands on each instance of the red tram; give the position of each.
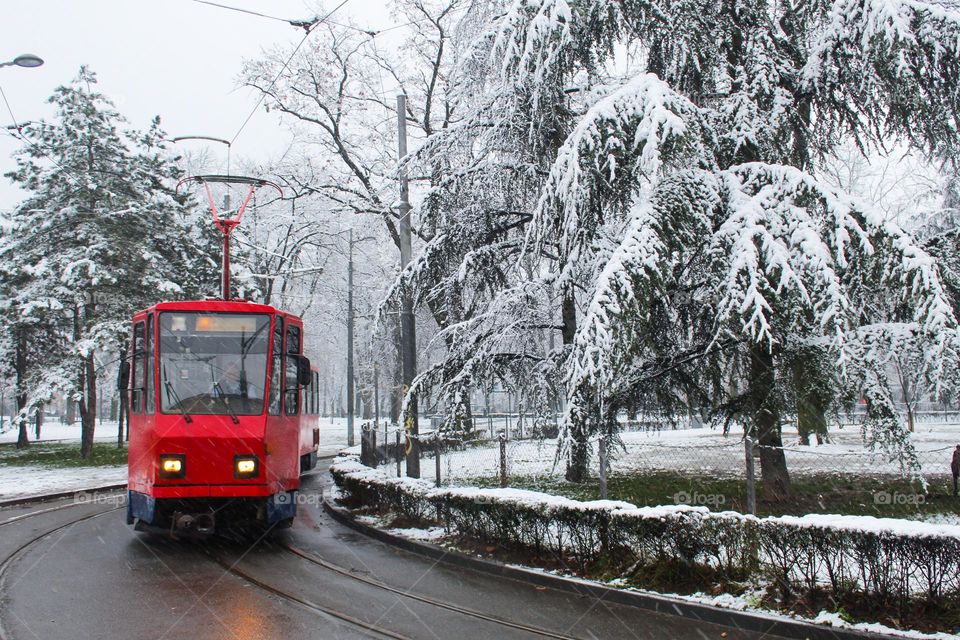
(222, 414)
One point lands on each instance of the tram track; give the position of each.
(319, 609)
(472, 613)
(40, 512)
(13, 556)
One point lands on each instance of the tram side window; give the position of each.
(136, 385)
(292, 401)
(315, 393)
(148, 385)
(276, 370)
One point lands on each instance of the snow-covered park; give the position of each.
(704, 452)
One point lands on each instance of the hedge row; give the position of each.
(895, 561)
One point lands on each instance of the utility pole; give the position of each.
(408, 336)
(350, 402)
(376, 395)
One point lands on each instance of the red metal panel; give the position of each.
(210, 442)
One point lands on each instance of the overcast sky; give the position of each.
(178, 59)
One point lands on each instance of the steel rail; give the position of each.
(307, 604)
(19, 551)
(309, 557)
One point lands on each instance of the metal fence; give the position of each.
(513, 458)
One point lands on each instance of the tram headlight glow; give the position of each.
(173, 465)
(245, 466)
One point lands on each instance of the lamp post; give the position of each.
(26, 60)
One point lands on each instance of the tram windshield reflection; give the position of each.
(213, 363)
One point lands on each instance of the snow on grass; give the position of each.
(705, 452)
(25, 482)
(54, 430)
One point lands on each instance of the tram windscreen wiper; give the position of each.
(171, 391)
(226, 402)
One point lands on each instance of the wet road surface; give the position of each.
(79, 572)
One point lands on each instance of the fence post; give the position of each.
(364, 446)
(436, 454)
(398, 452)
(372, 447)
(503, 460)
(751, 478)
(603, 467)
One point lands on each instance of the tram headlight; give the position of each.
(246, 466)
(173, 465)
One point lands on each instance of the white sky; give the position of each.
(178, 59)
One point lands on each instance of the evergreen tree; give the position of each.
(101, 235)
(676, 214)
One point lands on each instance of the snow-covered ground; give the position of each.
(705, 451)
(23, 482)
(53, 430)
(20, 481)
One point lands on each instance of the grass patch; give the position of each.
(62, 455)
(843, 494)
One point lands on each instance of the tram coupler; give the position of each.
(197, 524)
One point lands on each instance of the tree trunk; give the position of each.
(773, 463)
(37, 422)
(20, 364)
(579, 458)
(88, 388)
(811, 403)
(396, 390)
(366, 398)
(88, 407)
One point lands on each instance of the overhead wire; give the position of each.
(239, 10)
(19, 136)
(306, 23)
(263, 94)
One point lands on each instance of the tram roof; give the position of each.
(223, 306)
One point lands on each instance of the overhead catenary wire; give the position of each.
(307, 24)
(263, 94)
(19, 136)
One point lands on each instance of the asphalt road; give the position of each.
(85, 574)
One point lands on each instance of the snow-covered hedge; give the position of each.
(894, 560)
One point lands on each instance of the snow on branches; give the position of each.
(890, 64)
(655, 158)
(622, 140)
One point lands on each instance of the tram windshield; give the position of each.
(213, 363)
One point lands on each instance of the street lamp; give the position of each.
(27, 60)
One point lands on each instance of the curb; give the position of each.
(748, 621)
(61, 494)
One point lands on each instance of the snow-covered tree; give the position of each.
(338, 95)
(101, 235)
(676, 214)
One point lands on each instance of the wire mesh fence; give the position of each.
(648, 457)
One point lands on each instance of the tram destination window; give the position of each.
(213, 363)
